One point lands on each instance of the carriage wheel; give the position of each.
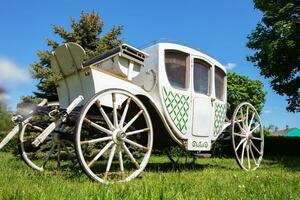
(114, 136)
(179, 156)
(247, 137)
(49, 153)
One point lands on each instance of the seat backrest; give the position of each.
(67, 59)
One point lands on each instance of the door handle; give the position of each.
(212, 99)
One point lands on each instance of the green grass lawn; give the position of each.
(209, 178)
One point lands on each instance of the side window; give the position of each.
(177, 68)
(202, 76)
(219, 83)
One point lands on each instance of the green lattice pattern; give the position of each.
(178, 108)
(220, 114)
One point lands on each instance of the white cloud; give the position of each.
(11, 73)
(230, 66)
(4, 98)
(267, 111)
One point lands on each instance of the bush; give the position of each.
(282, 146)
(11, 146)
(274, 146)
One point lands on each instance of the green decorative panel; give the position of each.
(178, 108)
(220, 114)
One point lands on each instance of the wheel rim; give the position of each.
(49, 153)
(247, 137)
(115, 151)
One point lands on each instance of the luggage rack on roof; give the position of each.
(123, 50)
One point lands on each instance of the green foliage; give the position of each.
(241, 89)
(266, 131)
(211, 178)
(5, 126)
(276, 42)
(85, 32)
(5, 119)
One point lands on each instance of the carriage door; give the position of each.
(202, 98)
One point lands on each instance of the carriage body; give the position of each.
(189, 88)
(186, 87)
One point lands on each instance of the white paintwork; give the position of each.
(203, 106)
(201, 113)
(150, 83)
(121, 63)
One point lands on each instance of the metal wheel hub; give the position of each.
(118, 136)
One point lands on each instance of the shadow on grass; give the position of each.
(170, 167)
(76, 173)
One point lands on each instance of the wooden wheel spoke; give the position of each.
(107, 120)
(242, 115)
(247, 113)
(130, 156)
(252, 144)
(96, 140)
(110, 158)
(243, 152)
(136, 144)
(251, 120)
(124, 112)
(238, 123)
(241, 142)
(248, 157)
(238, 134)
(121, 161)
(105, 148)
(254, 128)
(115, 114)
(251, 152)
(100, 128)
(132, 120)
(137, 131)
(256, 138)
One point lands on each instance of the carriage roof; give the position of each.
(183, 48)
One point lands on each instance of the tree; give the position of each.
(85, 32)
(240, 89)
(276, 42)
(5, 115)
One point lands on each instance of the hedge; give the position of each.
(274, 146)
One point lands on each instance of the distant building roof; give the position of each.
(291, 132)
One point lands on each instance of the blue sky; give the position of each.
(216, 27)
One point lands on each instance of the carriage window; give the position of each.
(177, 68)
(202, 77)
(219, 83)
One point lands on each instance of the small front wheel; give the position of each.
(114, 136)
(247, 136)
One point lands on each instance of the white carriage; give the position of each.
(126, 102)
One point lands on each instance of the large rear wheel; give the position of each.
(114, 136)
